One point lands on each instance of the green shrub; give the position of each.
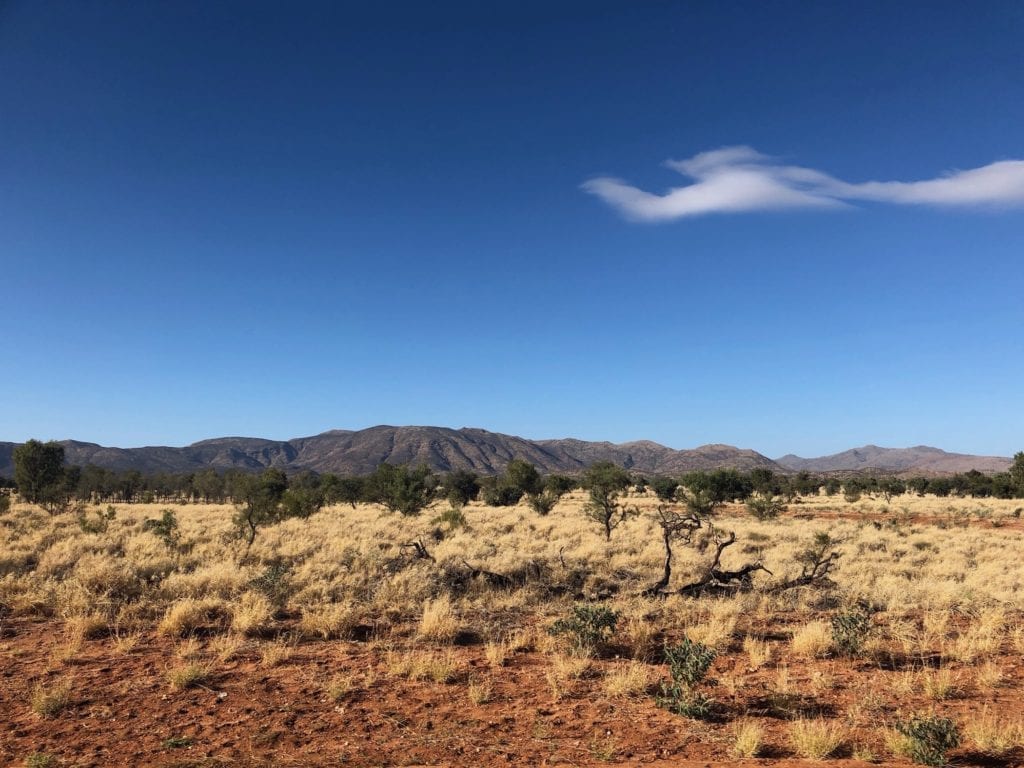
(97, 523)
(930, 737)
(165, 529)
(764, 506)
(542, 503)
(274, 583)
(849, 631)
(587, 629)
(453, 517)
(688, 665)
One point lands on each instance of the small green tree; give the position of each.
(523, 475)
(342, 490)
(39, 473)
(765, 506)
(261, 497)
(1017, 474)
(605, 481)
(461, 487)
(401, 489)
(665, 487)
(559, 485)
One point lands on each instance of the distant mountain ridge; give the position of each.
(443, 449)
(920, 458)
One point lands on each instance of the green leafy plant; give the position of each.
(688, 664)
(765, 506)
(453, 517)
(542, 503)
(98, 521)
(274, 582)
(587, 628)
(930, 738)
(165, 528)
(849, 631)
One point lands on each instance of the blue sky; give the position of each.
(274, 220)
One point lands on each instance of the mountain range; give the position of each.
(348, 452)
(920, 458)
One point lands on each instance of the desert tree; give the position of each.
(401, 489)
(605, 483)
(260, 497)
(664, 487)
(39, 473)
(1017, 474)
(461, 486)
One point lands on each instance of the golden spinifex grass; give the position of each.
(940, 578)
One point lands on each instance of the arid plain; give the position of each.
(332, 643)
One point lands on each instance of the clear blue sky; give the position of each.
(275, 219)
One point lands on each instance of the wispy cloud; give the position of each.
(739, 179)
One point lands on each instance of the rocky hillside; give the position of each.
(921, 458)
(443, 449)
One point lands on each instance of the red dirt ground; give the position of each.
(123, 711)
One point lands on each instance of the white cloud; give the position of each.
(738, 179)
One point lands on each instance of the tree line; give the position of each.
(41, 477)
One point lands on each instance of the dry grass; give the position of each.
(188, 676)
(340, 686)
(252, 614)
(748, 736)
(630, 679)
(49, 700)
(328, 621)
(952, 594)
(437, 667)
(192, 615)
(759, 652)
(276, 653)
(812, 640)
(479, 692)
(497, 653)
(438, 622)
(993, 735)
(816, 739)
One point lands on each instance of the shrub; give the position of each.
(542, 503)
(849, 631)
(688, 665)
(97, 524)
(929, 738)
(764, 506)
(587, 629)
(453, 517)
(40, 760)
(165, 529)
(274, 582)
(5, 502)
(665, 487)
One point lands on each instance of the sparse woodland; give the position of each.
(611, 623)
